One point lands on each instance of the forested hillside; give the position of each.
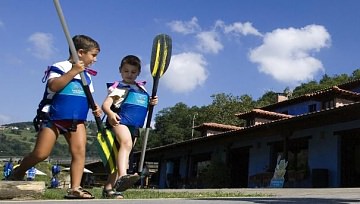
(18, 139)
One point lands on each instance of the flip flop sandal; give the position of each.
(125, 182)
(78, 193)
(111, 193)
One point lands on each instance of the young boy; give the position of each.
(131, 101)
(67, 114)
(8, 168)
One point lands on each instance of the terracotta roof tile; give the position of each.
(317, 95)
(263, 113)
(350, 84)
(217, 126)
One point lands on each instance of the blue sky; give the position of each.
(234, 46)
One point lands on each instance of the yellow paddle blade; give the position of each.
(107, 150)
(160, 55)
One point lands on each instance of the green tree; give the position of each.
(267, 99)
(327, 81)
(172, 125)
(224, 107)
(355, 74)
(60, 150)
(305, 88)
(19, 148)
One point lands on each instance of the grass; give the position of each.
(57, 194)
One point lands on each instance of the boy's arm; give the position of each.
(58, 83)
(113, 117)
(106, 105)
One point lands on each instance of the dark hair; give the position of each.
(132, 60)
(84, 42)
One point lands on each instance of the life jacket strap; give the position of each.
(47, 72)
(92, 72)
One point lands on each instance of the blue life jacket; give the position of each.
(55, 170)
(8, 167)
(31, 173)
(68, 104)
(134, 107)
(54, 182)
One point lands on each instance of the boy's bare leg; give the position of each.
(44, 143)
(77, 145)
(111, 181)
(123, 136)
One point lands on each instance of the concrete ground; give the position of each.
(281, 195)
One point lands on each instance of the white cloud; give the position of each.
(189, 27)
(238, 28)
(4, 119)
(209, 42)
(186, 72)
(286, 54)
(1, 24)
(42, 45)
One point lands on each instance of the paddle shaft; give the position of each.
(151, 107)
(76, 60)
(148, 122)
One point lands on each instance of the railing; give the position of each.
(58, 160)
(14, 158)
(66, 161)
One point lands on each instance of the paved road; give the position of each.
(282, 196)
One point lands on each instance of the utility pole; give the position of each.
(193, 125)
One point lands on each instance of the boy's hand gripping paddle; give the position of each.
(160, 59)
(105, 138)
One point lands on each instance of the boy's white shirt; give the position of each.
(66, 66)
(119, 94)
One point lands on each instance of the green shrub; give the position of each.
(215, 175)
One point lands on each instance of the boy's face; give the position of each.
(88, 57)
(129, 73)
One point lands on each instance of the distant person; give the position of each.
(8, 168)
(126, 107)
(67, 114)
(55, 170)
(30, 175)
(54, 182)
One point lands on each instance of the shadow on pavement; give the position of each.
(284, 200)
